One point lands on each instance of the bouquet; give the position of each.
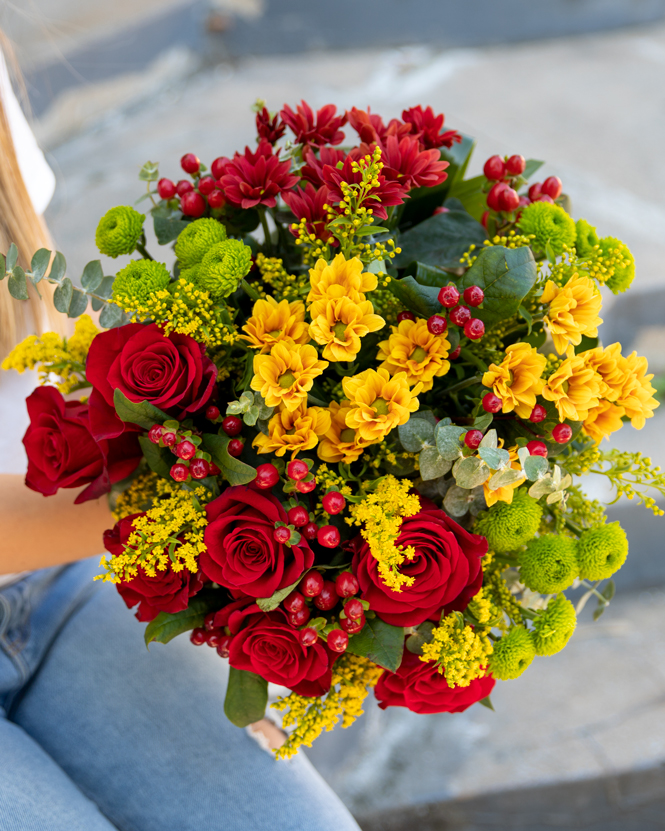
(343, 429)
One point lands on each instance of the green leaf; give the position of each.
(78, 303)
(105, 289)
(149, 172)
(58, 268)
(165, 626)
(482, 422)
(268, 604)
(532, 165)
(471, 472)
(490, 440)
(17, 284)
(39, 264)
(63, 294)
(422, 635)
(526, 315)
(440, 240)
(535, 467)
(448, 440)
(504, 478)
(426, 415)
(608, 591)
(156, 458)
(487, 702)
(506, 275)
(246, 697)
(428, 275)
(380, 642)
(432, 465)
(470, 194)
(494, 457)
(421, 300)
(92, 275)
(415, 434)
(111, 316)
(235, 471)
(142, 413)
(168, 229)
(12, 257)
(3, 267)
(458, 501)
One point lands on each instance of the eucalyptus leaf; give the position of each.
(471, 472)
(523, 454)
(104, 290)
(535, 467)
(58, 268)
(542, 487)
(415, 434)
(458, 501)
(557, 496)
(39, 263)
(111, 316)
(3, 267)
(431, 464)
(78, 303)
(12, 257)
(496, 458)
(448, 440)
(246, 697)
(92, 275)
(251, 416)
(17, 284)
(427, 415)
(168, 229)
(422, 635)
(63, 294)
(490, 440)
(505, 478)
(149, 172)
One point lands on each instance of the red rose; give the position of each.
(446, 568)
(241, 550)
(63, 454)
(167, 591)
(172, 372)
(268, 646)
(420, 686)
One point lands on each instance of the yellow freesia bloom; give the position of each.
(341, 325)
(286, 375)
(516, 380)
(340, 443)
(413, 349)
(294, 431)
(575, 388)
(378, 402)
(342, 278)
(573, 312)
(272, 322)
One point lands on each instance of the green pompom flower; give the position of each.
(602, 551)
(119, 231)
(549, 223)
(619, 258)
(197, 239)
(512, 654)
(586, 239)
(549, 564)
(190, 274)
(223, 267)
(553, 628)
(135, 284)
(509, 526)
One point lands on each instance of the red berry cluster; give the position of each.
(185, 445)
(195, 197)
(459, 314)
(506, 175)
(218, 638)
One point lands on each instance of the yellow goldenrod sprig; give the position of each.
(460, 651)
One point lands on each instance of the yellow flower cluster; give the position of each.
(138, 497)
(293, 431)
(56, 356)
(411, 348)
(352, 678)
(573, 312)
(510, 240)
(272, 322)
(285, 285)
(461, 652)
(381, 513)
(170, 534)
(517, 379)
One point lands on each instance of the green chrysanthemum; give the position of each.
(197, 239)
(509, 526)
(119, 231)
(549, 564)
(548, 223)
(135, 284)
(223, 267)
(512, 654)
(602, 551)
(553, 629)
(586, 239)
(618, 256)
(190, 274)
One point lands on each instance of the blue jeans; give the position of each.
(97, 733)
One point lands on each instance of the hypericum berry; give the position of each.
(217, 167)
(308, 636)
(185, 449)
(455, 353)
(184, 186)
(562, 433)
(492, 403)
(166, 189)
(537, 448)
(353, 608)
(217, 199)
(473, 296)
(440, 209)
(305, 487)
(448, 296)
(190, 163)
(300, 617)
(212, 413)
(199, 468)
(235, 447)
(472, 439)
(437, 325)
(405, 315)
(337, 640)
(327, 598)
(155, 433)
(232, 425)
(267, 476)
(552, 187)
(169, 438)
(535, 191)
(214, 637)
(294, 602)
(206, 185)
(223, 647)
(310, 531)
(297, 470)
(494, 194)
(198, 636)
(209, 621)
(333, 503)
(508, 199)
(538, 414)
(311, 584)
(328, 536)
(281, 535)
(515, 165)
(544, 198)
(524, 201)
(459, 315)
(494, 168)
(180, 472)
(352, 627)
(346, 584)
(214, 470)
(474, 329)
(192, 204)
(297, 516)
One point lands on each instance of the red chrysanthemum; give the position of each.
(312, 170)
(257, 178)
(427, 127)
(270, 129)
(370, 126)
(324, 129)
(307, 203)
(388, 192)
(405, 163)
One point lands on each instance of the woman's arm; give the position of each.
(38, 531)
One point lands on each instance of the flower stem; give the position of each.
(140, 247)
(468, 382)
(266, 231)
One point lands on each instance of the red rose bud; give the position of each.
(333, 503)
(354, 608)
(308, 636)
(180, 472)
(312, 583)
(537, 448)
(552, 187)
(217, 167)
(562, 433)
(310, 531)
(232, 425)
(306, 487)
(235, 447)
(282, 534)
(294, 602)
(328, 536)
(190, 163)
(493, 195)
(192, 204)
(515, 165)
(352, 627)
(297, 470)
(405, 316)
(448, 296)
(169, 438)
(199, 468)
(459, 315)
(198, 636)
(166, 189)
(492, 403)
(538, 414)
(455, 354)
(184, 186)
(214, 637)
(212, 413)
(473, 296)
(535, 191)
(300, 617)
(327, 598)
(185, 450)
(474, 329)
(206, 185)
(472, 439)
(298, 516)
(494, 168)
(155, 433)
(267, 476)
(224, 646)
(217, 199)
(346, 584)
(337, 640)
(508, 199)
(437, 325)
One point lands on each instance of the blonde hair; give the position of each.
(20, 224)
